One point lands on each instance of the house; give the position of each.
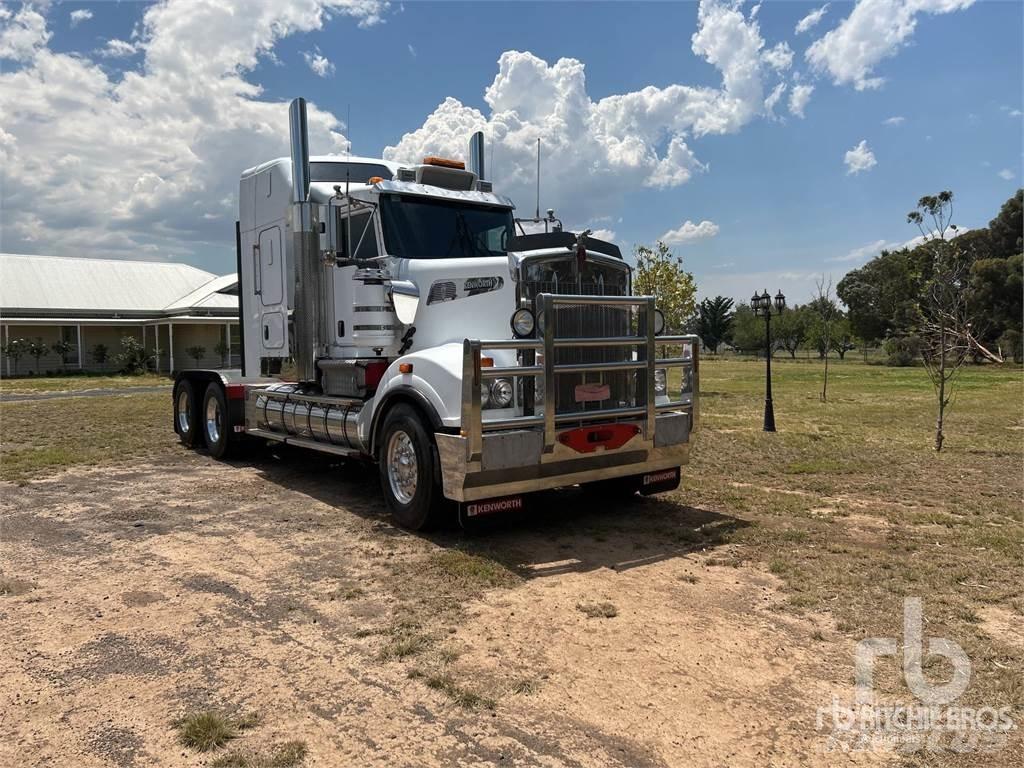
(173, 309)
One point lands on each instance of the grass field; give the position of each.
(78, 383)
(847, 503)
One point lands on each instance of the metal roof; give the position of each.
(70, 286)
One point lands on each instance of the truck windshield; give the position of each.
(421, 228)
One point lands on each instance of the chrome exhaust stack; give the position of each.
(309, 292)
(476, 155)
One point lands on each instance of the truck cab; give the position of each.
(398, 312)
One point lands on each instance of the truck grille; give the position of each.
(588, 321)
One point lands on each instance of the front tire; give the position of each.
(215, 421)
(406, 463)
(185, 417)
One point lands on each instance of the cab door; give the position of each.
(270, 273)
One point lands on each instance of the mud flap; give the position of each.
(660, 481)
(472, 511)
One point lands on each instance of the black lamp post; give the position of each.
(762, 306)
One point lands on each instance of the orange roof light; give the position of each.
(486, 362)
(376, 179)
(444, 162)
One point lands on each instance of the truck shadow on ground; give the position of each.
(568, 530)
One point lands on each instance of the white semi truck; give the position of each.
(391, 312)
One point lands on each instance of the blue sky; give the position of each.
(778, 202)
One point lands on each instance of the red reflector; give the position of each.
(236, 391)
(374, 373)
(606, 436)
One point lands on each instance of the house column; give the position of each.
(170, 346)
(7, 340)
(78, 331)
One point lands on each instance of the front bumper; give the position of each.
(514, 462)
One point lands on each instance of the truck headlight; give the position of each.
(659, 322)
(660, 381)
(501, 393)
(522, 323)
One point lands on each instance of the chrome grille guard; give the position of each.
(646, 344)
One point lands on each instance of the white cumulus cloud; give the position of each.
(1007, 174)
(779, 58)
(149, 156)
(77, 17)
(689, 232)
(118, 49)
(318, 63)
(811, 20)
(596, 151)
(22, 34)
(860, 158)
(874, 31)
(894, 120)
(798, 98)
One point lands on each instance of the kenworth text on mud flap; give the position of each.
(392, 312)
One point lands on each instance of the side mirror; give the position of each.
(405, 295)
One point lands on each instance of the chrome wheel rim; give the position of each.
(402, 468)
(183, 419)
(213, 420)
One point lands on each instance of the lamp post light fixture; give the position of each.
(762, 306)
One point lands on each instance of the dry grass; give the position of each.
(287, 755)
(76, 383)
(41, 437)
(849, 505)
(602, 610)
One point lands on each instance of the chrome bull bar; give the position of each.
(645, 342)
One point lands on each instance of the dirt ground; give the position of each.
(278, 586)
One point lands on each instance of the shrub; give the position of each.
(902, 350)
(132, 358)
(100, 353)
(197, 353)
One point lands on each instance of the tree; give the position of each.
(791, 329)
(132, 358)
(946, 326)
(222, 348)
(842, 336)
(660, 274)
(37, 349)
(196, 352)
(100, 353)
(714, 322)
(1005, 229)
(63, 348)
(824, 310)
(747, 329)
(15, 349)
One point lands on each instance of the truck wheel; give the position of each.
(215, 421)
(406, 463)
(186, 422)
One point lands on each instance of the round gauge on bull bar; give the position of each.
(523, 323)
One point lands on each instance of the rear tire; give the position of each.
(214, 421)
(406, 464)
(185, 416)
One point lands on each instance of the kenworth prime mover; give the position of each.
(391, 312)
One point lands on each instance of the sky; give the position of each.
(768, 143)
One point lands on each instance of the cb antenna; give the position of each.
(348, 128)
(536, 216)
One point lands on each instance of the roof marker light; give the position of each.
(444, 162)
